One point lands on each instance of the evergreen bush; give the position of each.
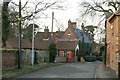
(52, 52)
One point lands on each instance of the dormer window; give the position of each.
(69, 35)
(46, 39)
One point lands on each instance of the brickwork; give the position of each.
(113, 41)
(10, 60)
(65, 40)
(69, 31)
(72, 36)
(61, 53)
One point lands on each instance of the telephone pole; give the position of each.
(52, 26)
(19, 61)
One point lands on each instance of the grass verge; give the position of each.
(10, 73)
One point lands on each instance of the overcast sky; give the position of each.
(62, 16)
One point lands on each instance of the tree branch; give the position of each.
(45, 7)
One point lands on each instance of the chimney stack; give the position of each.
(46, 32)
(69, 23)
(74, 24)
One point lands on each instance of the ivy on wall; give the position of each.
(5, 23)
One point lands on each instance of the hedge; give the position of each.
(99, 58)
(90, 58)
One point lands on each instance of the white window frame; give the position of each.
(69, 35)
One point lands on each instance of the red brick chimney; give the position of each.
(69, 23)
(46, 32)
(74, 24)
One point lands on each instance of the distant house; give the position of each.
(113, 41)
(70, 39)
(65, 40)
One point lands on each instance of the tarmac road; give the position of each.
(72, 70)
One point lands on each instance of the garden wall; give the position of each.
(39, 57)
(10, 59)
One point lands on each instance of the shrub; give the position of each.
(52, 52)
(90, 58)
(99, 58)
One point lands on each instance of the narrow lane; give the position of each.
(72, 70)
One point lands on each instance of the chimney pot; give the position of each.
(82, 26)
(74, 24)
(46, 32)
(69, 23)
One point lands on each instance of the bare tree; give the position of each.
(59, 25)
(102, 8)
(36, 7)
(97, 11)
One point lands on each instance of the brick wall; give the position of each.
(10, 60)
(60, 59)
(69, 31)
(41, 57)
(113, 41)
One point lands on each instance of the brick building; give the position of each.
(113, 41)
(65, 40)
(70, 39)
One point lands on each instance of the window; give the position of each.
(65, 53)
(111, 27)
(112, 34)
(46, 39)
(69, 35)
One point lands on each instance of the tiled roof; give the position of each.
(41, 43)
(78, 33)
(117, 13)
(60, 34)
(67, 45)
(13, 43)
